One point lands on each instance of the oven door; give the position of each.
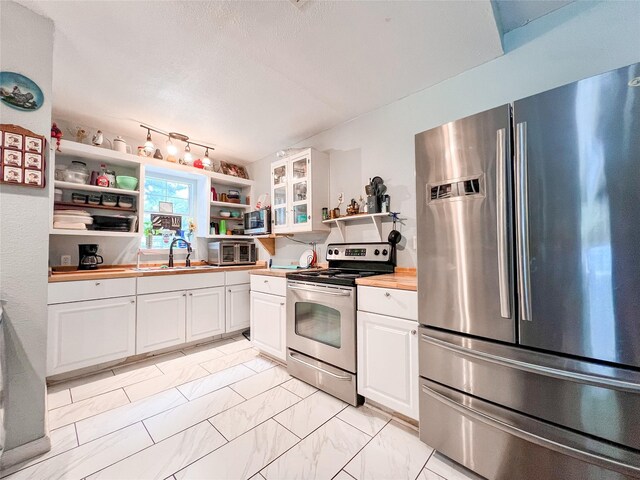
(245, 253)
(321, 322)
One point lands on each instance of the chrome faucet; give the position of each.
(189, 251)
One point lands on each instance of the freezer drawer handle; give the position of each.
(502, 234)
(595, 381)
(327, 292)
(582, 455)
(522, 219)
(339, 377)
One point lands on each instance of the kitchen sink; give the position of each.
(163, 268)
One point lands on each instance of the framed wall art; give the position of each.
(22, 157)
(20, 92)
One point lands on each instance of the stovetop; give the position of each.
(350, 261)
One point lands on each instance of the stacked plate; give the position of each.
(72, 219)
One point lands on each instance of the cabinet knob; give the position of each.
(281, 303)
(413, 332)
(133, 301)
(97, 283)
(387, 294)
(266, 281)
(229, 290)
(191, 294)
(184, 294)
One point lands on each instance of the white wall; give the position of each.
(24, 222)
(574, 42)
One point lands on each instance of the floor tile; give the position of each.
(227, 361)
(342, 475)
(305, 416)
(74, 382)
(243, 457)
(214, 381)
(183, 416)
(86, 459)
(243, 417)
(299, 387)
(427, 474)
(62, 439)
(147, 362)
(365, 419)
(114, 382)
(189, 357)
(165, 458)
(172, 379)
(257, 476)
(58, 399)
(260, 364)
(448, 469)
(86, 408)
(321, 455)
(396, 452)
(107, 422)
(261, 382)
(234, 347)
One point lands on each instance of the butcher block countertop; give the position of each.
(62, 274)
(402, 279)
(280, 272)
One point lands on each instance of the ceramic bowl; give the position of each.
(126, 183)
(225, 213)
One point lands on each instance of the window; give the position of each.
(180, 193)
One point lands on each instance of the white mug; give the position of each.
(120, 145)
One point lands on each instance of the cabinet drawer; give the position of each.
(63, 292)
(268, 284)
(172, 283)
(237, 277)
(388, 301)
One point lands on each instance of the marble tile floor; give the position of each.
(221, 411)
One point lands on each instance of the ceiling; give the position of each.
(253, 77)
(512, 14)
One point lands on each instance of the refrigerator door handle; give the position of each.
(555, 444)
(502, 234)
(522, 220)
(571, 376)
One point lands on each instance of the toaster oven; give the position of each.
(232, 252)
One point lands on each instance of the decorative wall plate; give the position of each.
(20, 92)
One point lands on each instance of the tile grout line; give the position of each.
(361, 449)
(360, 430)
(425, 463)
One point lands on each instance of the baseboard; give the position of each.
(25, 452)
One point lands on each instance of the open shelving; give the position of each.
(230, 205)
(98, 207)
(100, 233)
(375, 218)
(93, 188)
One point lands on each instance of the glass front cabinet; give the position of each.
(299, 191)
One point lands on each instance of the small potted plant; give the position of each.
(149, 232)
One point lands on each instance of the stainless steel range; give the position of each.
(321, 317)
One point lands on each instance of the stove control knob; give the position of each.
(330, 252)
(376, 252)
(336, 252)
(385, 251)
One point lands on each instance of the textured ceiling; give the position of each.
(253, 77)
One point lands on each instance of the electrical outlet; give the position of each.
(65, 260)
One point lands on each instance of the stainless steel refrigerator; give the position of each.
(529, 284)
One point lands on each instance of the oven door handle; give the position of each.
(339, 377)
(327, 292)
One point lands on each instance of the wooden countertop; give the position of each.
(128, 271)
(402, 279)
(279, 272)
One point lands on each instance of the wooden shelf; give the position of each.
(87, 205)
(237, 237)
(236, 219)
(341, 222)
(230, 205)
(94, 188)
(100, 233)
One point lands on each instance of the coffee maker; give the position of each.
(88, 256)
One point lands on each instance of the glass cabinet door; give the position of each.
(300, 191)
(279, 182)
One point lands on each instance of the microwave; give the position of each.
(258, 222)
(230, 252)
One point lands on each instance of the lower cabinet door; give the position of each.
(268, 324)
(238, 309)
(161, 320)
(81, 334)
(205, 313)
(388, 362)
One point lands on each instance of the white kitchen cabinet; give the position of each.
(161, 319)
(268, 324)
(205, 313)
(299, 191)
(238, 307)
(81, 334)
(388, 362)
